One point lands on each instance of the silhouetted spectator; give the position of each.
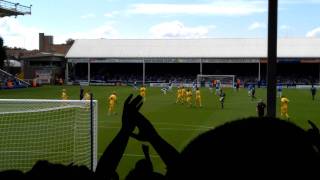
(260, 108)
(251, 149)
(144, 169)
(108, 162)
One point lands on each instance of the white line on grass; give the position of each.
(173, 124)
(168, 129)
(136, 155)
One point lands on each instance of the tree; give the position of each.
(70, 41)
(3, 54)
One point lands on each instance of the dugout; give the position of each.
(148, 60)
(46, 66)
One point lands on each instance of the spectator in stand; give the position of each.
(60, 81)
(10, 84)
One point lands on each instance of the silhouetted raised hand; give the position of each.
(148, 133)
(129, 108)
(110, 159)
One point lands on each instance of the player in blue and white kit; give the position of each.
(166, 89)
(135, 86)
(218, 87)
(194, 86)
(250, 86)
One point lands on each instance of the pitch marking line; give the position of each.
(173, 124)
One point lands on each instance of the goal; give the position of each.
(60, 131)
(226, 80)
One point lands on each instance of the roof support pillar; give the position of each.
(272, 57)
(66, 75)
(200, 66)
(259, 71)
(89, 72)
(143, 72)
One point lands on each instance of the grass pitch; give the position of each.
(176, 123)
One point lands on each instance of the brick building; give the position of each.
(48, 63)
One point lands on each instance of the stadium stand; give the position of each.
(181, 60)
(9, 81)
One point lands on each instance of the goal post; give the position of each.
(60, 131)
(226, 80)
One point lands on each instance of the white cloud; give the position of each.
(225, 8)
(257, 25)
(111, 14)
(314, 33)
(17, 35)
(285, 27)
(299, 2)
(88, 16)
(176, 29)
(104, 31)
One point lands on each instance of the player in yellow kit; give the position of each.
(198, 98)
(86, 96)
(64, 95)
(112, 102)
(183, 95)
(284, 107)
(143, 92)
(178, 95)
(189, 97)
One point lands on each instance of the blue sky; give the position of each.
(157, 19)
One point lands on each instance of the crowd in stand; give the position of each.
(9, 83)
(183, 78)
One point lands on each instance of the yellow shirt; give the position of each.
(179, 93)
(142, 91)
(86, 96)
(112, 99)
(183, 92)
(198, 95)
(64, 96)
(284, 102)
(189, 94)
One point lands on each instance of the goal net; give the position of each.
(225, 80)
(60, 131)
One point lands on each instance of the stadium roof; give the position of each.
(192, 48)
(13, 9)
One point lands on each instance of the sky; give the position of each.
(137, 19)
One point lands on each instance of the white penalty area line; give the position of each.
(136, 155)
(165, 129)
(166, 123)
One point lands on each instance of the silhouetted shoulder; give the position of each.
(247, 147)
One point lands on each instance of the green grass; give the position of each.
(176, 123)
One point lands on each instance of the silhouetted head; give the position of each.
(46, 170)
(266, 146)
(143, 171)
